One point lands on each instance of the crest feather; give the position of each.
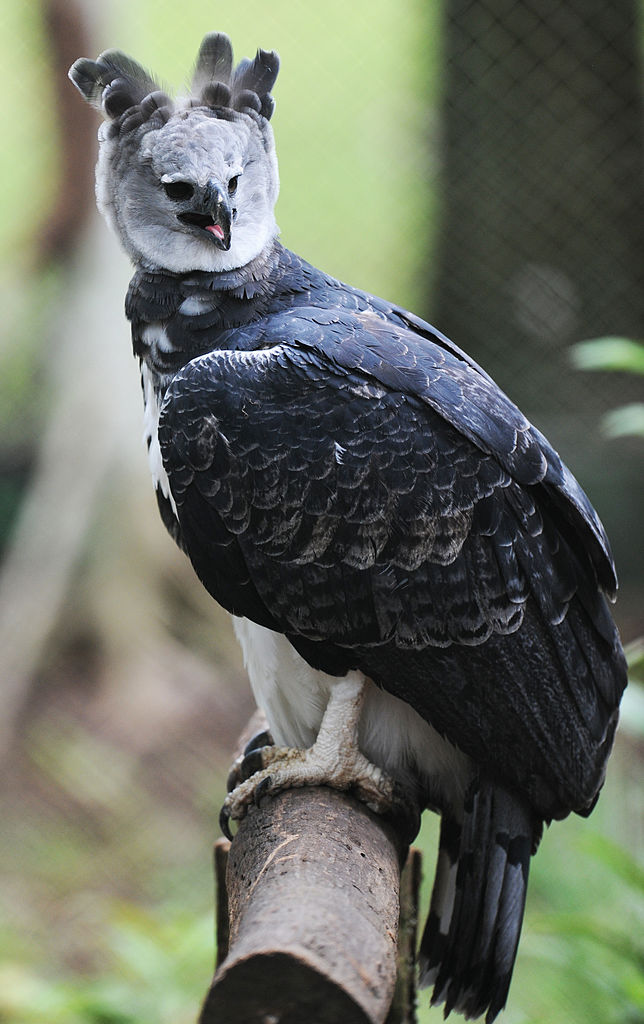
(115, 83)
(214, 62)
(216, 94)
(216, 83)
(259, 74)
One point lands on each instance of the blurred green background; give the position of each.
(478, 162)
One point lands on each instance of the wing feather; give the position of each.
(376, 518)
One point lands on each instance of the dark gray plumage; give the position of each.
(368, 503)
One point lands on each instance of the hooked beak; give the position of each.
(211, 212)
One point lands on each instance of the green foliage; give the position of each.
(592, 960)
(615, 354)
(631, 712)
(609, 354)
(627, 420)
(581, 957)
(635, 658)
(30, 164)
(157, 969)
(623, 355)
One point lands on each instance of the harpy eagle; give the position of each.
(418, 582)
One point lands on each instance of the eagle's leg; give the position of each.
(334, 760)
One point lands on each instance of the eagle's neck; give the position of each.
(158, 294)
(176, 317)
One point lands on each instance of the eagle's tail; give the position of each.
(470, 940)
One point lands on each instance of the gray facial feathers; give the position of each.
(187, 185)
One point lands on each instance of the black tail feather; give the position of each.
(470, 941)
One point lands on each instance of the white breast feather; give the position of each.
(151, 436)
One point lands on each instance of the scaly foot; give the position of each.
(333, 760)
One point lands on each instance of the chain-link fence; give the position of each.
(542, 220)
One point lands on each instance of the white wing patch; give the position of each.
(151, 436)
(155, 337)
(196, 304)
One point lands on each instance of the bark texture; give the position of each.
(313, 894)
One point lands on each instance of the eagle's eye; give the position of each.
(178, 189)
(232, 185)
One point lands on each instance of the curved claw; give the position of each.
(251, 759)
(253, 762)
(262, 789)
(224, 819)
(260, 739)
(244, 767)
(233, 778)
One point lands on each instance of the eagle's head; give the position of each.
(189, 185)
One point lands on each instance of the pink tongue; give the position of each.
(216, 230)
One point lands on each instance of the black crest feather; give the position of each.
(216, 94)
(117, 83)
(214, 62)
(248, 100)
(216, 83)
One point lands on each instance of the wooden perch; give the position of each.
(313, 899)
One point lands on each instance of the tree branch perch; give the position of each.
(313, 896)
